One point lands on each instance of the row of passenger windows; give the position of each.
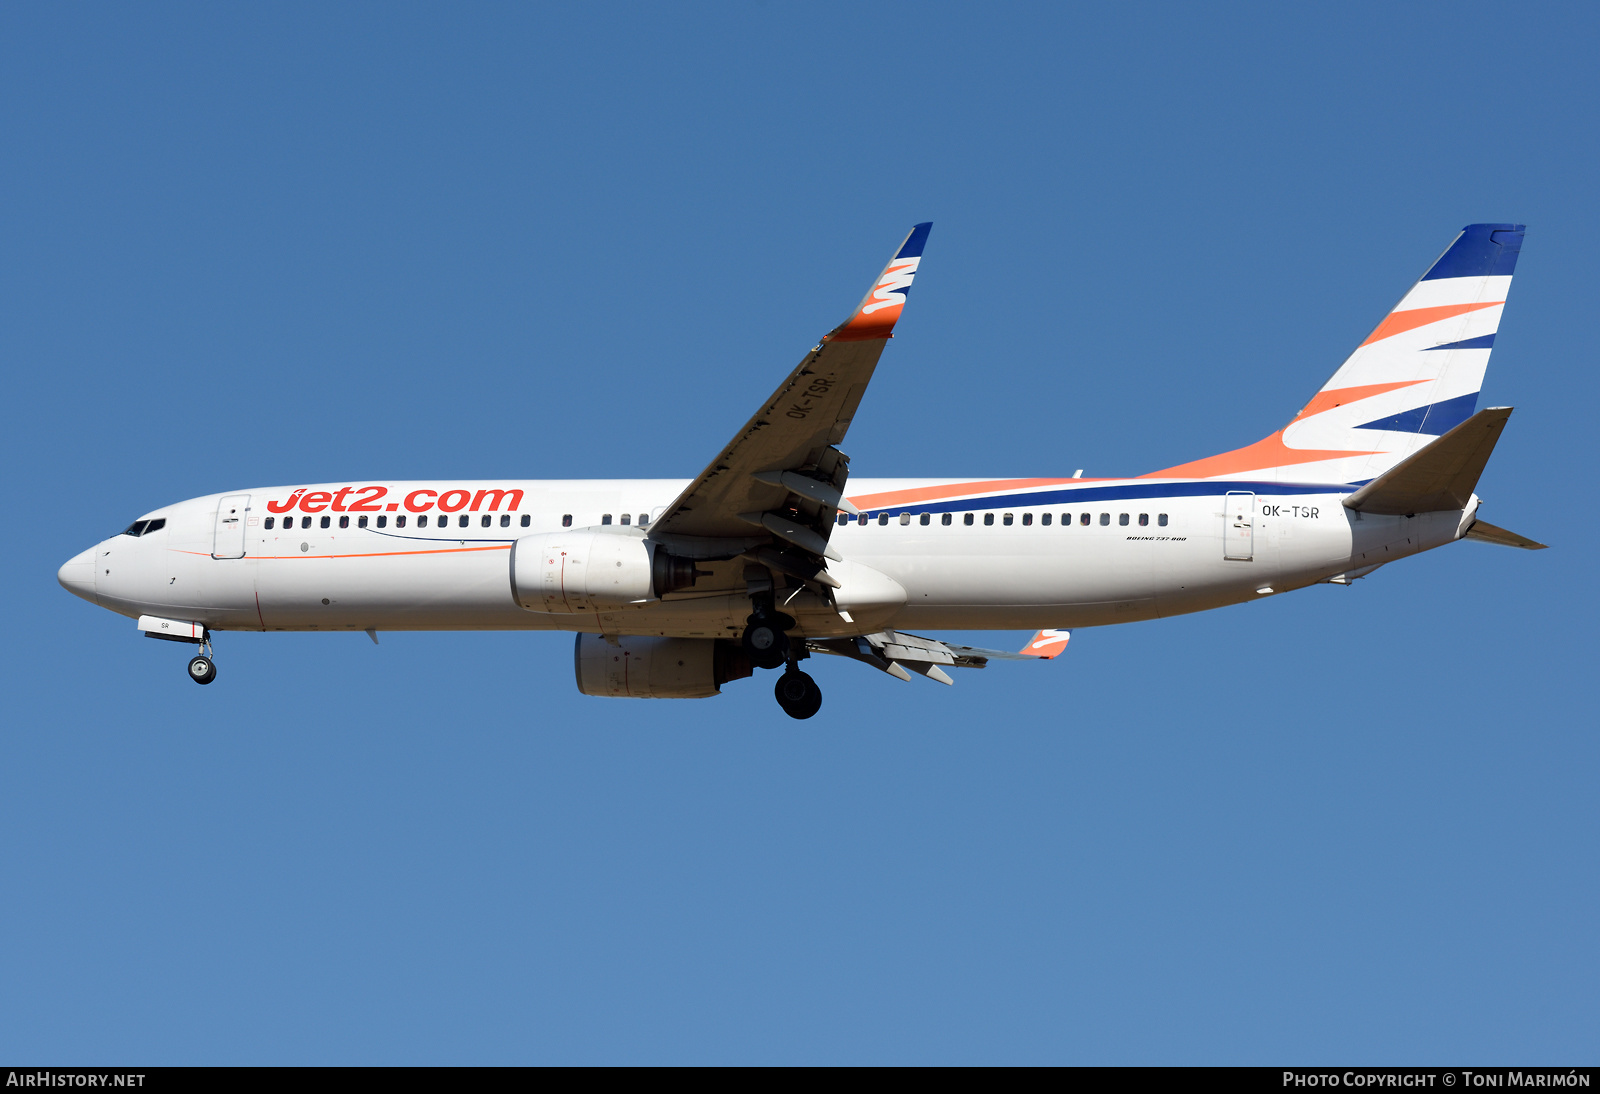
(139, 528)
(440, 521)
(382, 521)
(1084, 519)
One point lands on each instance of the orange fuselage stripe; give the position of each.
(369, 554)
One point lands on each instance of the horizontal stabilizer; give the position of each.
(1489, 533)
(1439, 477)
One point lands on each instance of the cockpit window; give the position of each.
(155, 525)
(135, 529)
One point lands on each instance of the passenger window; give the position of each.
(1144, 519)
(267, 524)
(505, 520)
(862, 520)
(883, 520)
(1027, 519)
(1105, 518)
(344, 521)
(463, 521)
(1066, 519)
(1044, 518)
(361, 522)
(945, 520)
(1122, 519)
(1162, 520)
(967, 520)
(422, 521)
(305, 522)
(1083, 519)
(383, 522)
(626, 517)
(844, 518)
(400, 521)
(1006, 520)
(326, 521)
(566, 520)
(988, 519)
(905, 518)
(925, 519)
(527, 519)
(644, 518)
(486, 521)
(606, 519)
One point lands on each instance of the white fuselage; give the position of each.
(1151, 548)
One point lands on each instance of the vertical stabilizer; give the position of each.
(1414, 378)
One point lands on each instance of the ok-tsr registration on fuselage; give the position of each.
(775, 552)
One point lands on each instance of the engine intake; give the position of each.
(656, 668)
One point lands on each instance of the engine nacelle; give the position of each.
(656, 668)
(586, 571)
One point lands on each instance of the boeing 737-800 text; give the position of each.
(770, 555)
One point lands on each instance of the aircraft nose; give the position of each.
(77, 575)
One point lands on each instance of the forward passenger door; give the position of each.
(228, 539)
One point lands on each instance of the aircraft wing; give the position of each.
(781, 471)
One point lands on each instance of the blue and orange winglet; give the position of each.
(880, 309)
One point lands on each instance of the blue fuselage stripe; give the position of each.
(1085, 495)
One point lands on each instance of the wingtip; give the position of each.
(1047, 644)
(880, 309)
(916, 241)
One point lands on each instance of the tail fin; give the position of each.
(1416, 377)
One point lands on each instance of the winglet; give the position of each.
(880, 309)
(1047, 644)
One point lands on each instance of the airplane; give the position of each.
(773, 553)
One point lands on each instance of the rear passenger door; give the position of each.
(1238, 527)
(228, 539)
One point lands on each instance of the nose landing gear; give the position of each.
(202, 670)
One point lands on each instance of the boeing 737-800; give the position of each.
(773, 553)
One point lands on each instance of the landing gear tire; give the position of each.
(202, 671)
(798, 694)
(766, 644)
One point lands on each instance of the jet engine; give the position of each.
(586, 571)
(656, 668)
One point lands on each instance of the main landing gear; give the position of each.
(765, 641)
(797, 693)
(768, 647)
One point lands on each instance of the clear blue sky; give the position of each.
(259, 244)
